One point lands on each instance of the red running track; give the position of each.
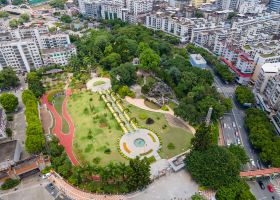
(66, 139)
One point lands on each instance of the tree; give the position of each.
(9, 102)
(149, 60)
(4, 14)
(239, 152)
(35, 84)
(199, 14)
(17, 2)
(125, 74)
(57, 4)
(237, 190)
(214, 168)
(202, 140)
(138, 174)
(25, 17)
(197, 196)
(244, 95)
(66, 19)
(111, 61)
(8, 79)
(13, 23)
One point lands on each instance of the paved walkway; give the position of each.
(65, 139)
(140, 103)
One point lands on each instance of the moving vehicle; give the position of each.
(261, 185)
(238, 141)
(45, 176)
(270, 188)
(236, 133)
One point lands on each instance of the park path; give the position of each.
(65, 139)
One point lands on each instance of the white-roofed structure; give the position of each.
(268, 70)
(197, 60)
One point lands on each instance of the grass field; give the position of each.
(179, 137)
(96, 130)
(58, 106)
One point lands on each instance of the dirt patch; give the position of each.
(177, 122)
(103, 125)
(46, 119)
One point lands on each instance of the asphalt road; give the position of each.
(233, 125)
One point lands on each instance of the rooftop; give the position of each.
(198, 58)
(271, 67)
(7, 150)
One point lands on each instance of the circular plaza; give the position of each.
(142, 143)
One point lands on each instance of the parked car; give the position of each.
(236, 133)
(45, 176)
(270, 188)
(261, 185)
(238, 141)
(252, 162)
(233, 124)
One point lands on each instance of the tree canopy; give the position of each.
(244, 95)
(57, 3)
(215, 167)
(9, 102)
(8, 79)
(35, 84)
(262, 136)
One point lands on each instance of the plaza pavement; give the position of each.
(170, 187)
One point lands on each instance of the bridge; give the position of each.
(260, 172)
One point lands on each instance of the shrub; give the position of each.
(164, 108)
(9, 183)
(96, 160)
(125, 91)
(10, 118)
(107, 151)
(9, 132)
(171, 146)
(150, 121)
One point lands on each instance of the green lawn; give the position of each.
(58, 106)
(97, 83)
(96, 130)
(169, 134)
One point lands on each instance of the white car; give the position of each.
(45, 176)
(252, 162)
(233, 124)
(238, 141)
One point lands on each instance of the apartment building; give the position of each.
(21, 49)
(93, 9)
(114, 10)
(268, 71)
(22, 55)
(3, 123)
(272, 92)
(274, 6)
(197, 3)
(58, 55)
(177, 26)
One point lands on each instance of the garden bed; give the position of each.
(58, 101)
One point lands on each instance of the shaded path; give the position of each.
(65, 139)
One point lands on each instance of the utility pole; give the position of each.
(208, 117)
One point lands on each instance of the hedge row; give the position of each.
(35, 140)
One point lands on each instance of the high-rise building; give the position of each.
(274, 6)
(22, 55)
(197, 3)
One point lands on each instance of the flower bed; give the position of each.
(153, 138)
(126, 148)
